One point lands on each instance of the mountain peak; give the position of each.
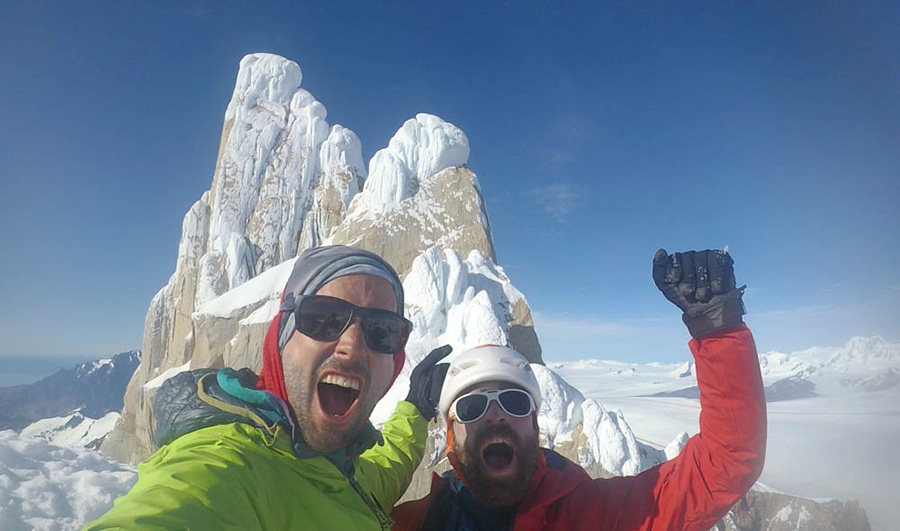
(421, 148)
(264, 77)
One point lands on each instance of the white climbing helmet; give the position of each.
(484, 364)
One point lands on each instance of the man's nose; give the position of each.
(353, 341)
(495, 413)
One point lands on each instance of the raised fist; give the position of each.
(702, 284)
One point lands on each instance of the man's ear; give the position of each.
(534, 421)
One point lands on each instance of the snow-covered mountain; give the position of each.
(286, 180)
(92, 389)
(863, 364)
(73, 431)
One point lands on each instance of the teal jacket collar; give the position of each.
(274, 410)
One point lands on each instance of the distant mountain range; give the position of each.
(864, 364)
(92, 389)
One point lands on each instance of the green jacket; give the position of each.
(247, 475)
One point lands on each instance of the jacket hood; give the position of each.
(201, 398)
(555, 478)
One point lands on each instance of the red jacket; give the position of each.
(693, 491)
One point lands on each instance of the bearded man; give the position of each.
(502, 480)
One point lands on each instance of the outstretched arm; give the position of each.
(719, 464)
(388, 469)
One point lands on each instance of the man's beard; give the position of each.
(301, 396)
(491, 491)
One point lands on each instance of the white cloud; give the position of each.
(196, 11)
(558, 199)
(834, 288)
(572, 129)
(555, 157)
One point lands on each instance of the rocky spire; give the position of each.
(284, 181)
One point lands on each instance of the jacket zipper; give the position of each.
(384, 520)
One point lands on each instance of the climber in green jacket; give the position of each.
(293, 447)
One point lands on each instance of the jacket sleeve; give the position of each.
(388, 469)
(717, 466)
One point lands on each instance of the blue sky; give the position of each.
(599, 134)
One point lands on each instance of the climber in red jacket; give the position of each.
(502, 480)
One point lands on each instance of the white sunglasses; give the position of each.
(473, 406)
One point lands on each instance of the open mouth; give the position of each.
(337, 394)
(498, 454)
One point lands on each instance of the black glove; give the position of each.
(701, 283)
(426, 381)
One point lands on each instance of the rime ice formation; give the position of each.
(420, 191)
(343, 176)
(610, 440)
(424, 146)
(561, 411)
(460, 302)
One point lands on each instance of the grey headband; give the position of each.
(316, 267)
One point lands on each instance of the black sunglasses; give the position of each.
(473, 406)
(325, 318)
